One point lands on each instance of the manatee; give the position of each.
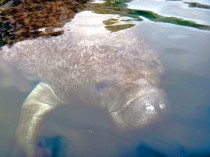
(89, 65)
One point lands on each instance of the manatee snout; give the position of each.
(146, 108)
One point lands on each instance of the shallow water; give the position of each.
(185, 53)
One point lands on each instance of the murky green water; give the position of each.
(180, 32)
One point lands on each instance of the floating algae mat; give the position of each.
(22, 21)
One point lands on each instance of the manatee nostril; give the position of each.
(162, 105)
(150, 108)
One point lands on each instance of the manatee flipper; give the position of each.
(40, 102)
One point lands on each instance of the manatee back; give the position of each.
(88, 57)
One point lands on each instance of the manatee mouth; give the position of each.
(149, 106)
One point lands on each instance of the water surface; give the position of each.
(179, 32)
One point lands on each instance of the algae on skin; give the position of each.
(115, 28)
(110, 21)
(111, 24)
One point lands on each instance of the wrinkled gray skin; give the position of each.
(89, 65)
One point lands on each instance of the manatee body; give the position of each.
(89, 65)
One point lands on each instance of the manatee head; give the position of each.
(149, 105)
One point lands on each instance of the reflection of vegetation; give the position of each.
(173, 20)
(198, 5)
(115, 28)
(22, 21)
(114, 7)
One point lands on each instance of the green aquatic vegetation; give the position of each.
(115, 28)
(2, 2)
(102, 8)
(116, 3)
(197, 5)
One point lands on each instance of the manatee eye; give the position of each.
(101, 86)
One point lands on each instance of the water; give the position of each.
(182, 41)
